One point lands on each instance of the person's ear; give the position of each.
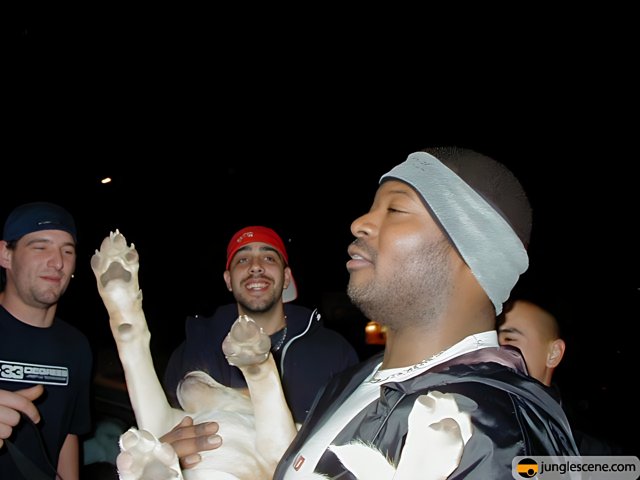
(227, 280)
(556, 352)
(5, 255)
(287, 277)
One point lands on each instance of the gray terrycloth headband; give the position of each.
(487, 243)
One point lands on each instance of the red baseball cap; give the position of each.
(265, 235)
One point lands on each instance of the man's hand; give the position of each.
(12, 404)
(188, 439)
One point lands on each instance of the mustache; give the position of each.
(259, 276)
(364, 247)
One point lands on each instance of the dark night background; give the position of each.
(205, 132)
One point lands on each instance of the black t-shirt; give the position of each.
(60, 358)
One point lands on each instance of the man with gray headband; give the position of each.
(433, 261)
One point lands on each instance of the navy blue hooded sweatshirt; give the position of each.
(309, 357)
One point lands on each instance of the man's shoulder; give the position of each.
(299, 312)
(492, 383)
(309, 325)
(201, 328)
(487, 374)
(223, 316)
(71, 332)
(305, 318)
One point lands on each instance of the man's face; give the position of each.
(524, 329)
(256, 276)
(41, 266)
(400, 260)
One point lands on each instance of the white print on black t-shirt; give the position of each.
(33, 373)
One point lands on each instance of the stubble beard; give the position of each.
(45, 297)
(252, 305)
(262, 306)
(416, 293)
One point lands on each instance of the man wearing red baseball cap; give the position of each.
(259, 276)
(272, 240)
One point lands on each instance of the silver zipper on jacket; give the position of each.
(292, 339)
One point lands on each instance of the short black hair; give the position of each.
(494, 182)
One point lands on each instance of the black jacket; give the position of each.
(511, 414)
(310, 356)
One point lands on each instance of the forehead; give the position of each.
(396, 187)
(522, 321)
(54, 236)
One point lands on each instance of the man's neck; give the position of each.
(34, 316)
(270, 321)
